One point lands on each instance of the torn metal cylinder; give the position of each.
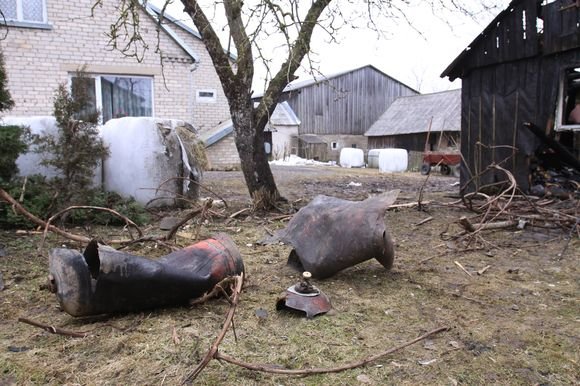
(304, 297)
(330, 234)
(103, 280)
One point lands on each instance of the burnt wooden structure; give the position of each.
(418, 123)
(519, 69)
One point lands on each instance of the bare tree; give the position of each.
(248, 24)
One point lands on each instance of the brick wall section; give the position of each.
(223, 154)
(38, 60)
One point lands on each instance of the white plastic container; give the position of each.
(352, 158)
(393, 160)
(373, 158)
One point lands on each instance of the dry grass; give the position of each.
(515, 324)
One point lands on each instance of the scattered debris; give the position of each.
(426, 220)
(104, 280)
(261, 313)
(482, 271)
(363, 378)
(457, 263)
(352, 183)
(330, 234)
(17, 349)
(426, 362)
(1, 282)
(2, 251)
(305, 297)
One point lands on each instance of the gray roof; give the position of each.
(213, 135)
(283, 116)
(412, 114)
(166, 17)
(298, 84)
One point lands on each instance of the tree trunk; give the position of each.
(249, 138)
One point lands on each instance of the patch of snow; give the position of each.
(294, 160)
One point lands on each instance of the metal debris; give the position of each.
(305, 297)
(331, 234)
(104, 280)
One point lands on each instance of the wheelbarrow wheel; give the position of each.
(425, 169)
(445, 170)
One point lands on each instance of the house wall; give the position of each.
(38, 60)
(284, 141)
(223, 154)
(359, 141)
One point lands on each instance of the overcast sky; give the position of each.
(414, 58)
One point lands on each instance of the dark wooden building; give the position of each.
(340, 108)
(409, 120)
(523, 67)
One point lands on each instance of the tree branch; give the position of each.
(213, 45)
(285, 75)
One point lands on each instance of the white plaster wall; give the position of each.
(282, 141)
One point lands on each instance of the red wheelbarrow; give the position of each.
(445, 160)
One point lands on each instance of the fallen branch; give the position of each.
(426, 220)
(215, 291)
(20, 209)
(276, 370)
(409, 205)
(213, 352)
(185, 219)
(71, 236)
(54, 330)
(239, 212)
(98, 208)
(457, 263)
(229, 319)
(195, 182)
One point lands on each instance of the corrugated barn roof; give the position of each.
(412, 114)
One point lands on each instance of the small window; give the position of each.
(118, 96)
(354, 146)
(568, 108)
(334, 145)
(205, 96)
(28, 11)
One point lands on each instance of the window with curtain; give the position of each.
(33, 11)
(121, 96)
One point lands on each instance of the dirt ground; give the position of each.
(518, 323)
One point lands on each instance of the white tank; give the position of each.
(373, 158)
(352, 158)
(393, 160)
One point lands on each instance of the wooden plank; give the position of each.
(532, 44)
(552, 27)
(569, 30)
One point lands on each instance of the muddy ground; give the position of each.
(517, 323)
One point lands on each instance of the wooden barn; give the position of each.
(419, 122)
(523, 68)
(338, 109)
